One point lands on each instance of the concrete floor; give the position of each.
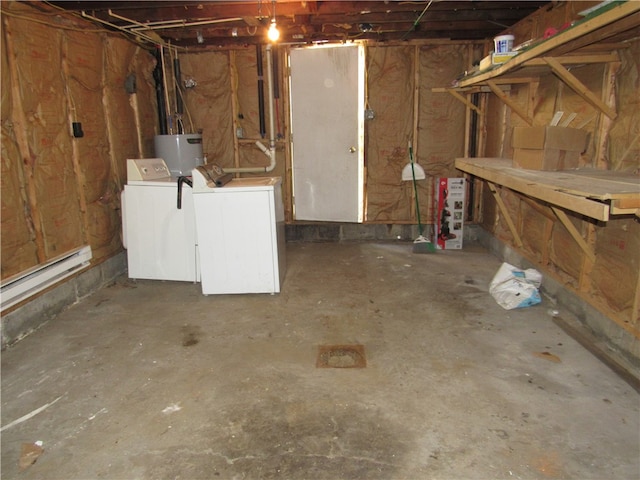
(152, 380)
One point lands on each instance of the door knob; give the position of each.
(353, 150)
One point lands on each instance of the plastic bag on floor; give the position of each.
(515, 288)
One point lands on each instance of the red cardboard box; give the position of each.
(450, 194)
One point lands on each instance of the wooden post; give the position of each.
(288, 177)
(587, 261)
(113, 161)
(604, 123)
(133, 101)
(234, 107)
(75, 157)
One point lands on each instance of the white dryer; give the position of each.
(240, 232)
(160, 238)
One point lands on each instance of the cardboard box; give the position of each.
(548, 148)
(450, 194)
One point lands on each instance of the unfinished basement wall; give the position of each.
(611, 283)
(400, 79)
(224, 106)
(60, 192)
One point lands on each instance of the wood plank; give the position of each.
(580, 88)
(604, 124)
(610, 177)
(573, 231)
(625, 211)
(510, 103)
(80, 177)
(534, 184)
(612, 32)
(576, 59)
(615, 19)
(589, 341)
(234, 107)
(464, 100)
(587, 182)
(624, 203)
(505, 214)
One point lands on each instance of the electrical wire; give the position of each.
(415, 24)
(30, 18)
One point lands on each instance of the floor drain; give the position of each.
(341, 356)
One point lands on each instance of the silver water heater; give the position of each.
(182, 153)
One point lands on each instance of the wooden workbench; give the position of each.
(598, 194)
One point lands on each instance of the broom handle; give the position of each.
(415, 189)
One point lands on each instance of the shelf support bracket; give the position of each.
(505, 214)
(510, 103)
(573, 231)
(464, 100)
(580, 88)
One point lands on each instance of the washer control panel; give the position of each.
(147, 169)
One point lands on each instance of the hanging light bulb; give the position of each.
(273, 33)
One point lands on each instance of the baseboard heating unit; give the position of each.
(19, 287)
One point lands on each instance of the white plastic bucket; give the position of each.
(503, 43)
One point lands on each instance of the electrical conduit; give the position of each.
(271, 151)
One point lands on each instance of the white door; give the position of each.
(327, 123)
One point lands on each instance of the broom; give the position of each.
(420, 244)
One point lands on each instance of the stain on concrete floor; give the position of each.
(341, 356)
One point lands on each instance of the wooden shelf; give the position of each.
(597, 194)
(591, 40)
(612, 25)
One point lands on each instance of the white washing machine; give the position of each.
(160, 238)
(240, 233)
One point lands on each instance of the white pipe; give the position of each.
(181, 23)
(272, 129)
(137, 26)
(123, 29)
(271, 151)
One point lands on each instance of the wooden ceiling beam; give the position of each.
(313, 20)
